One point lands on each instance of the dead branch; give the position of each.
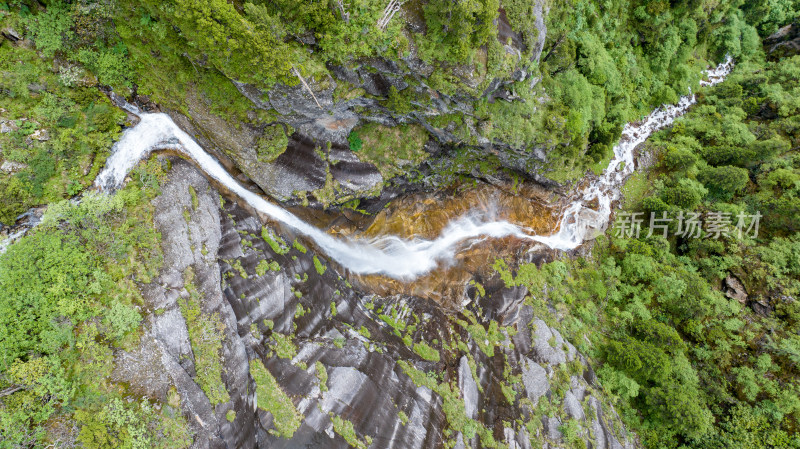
(302, 80)
(342, 11)
(389, 12)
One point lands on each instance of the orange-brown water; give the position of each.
(427, 215)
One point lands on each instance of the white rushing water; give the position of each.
(391, 255)
(580, 221)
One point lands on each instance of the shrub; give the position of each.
(355, 142)
(50, 28)
(724, 182)
(686, 194)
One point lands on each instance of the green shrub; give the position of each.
(355, 142)
(724, 182)
(49, 29)
(272, 143)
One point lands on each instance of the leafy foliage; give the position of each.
(690, 365)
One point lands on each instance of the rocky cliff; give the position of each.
(308, 360)
(309, 157)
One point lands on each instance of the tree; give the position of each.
(724, 182)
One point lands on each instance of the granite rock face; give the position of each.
(320, 118)
(784, 43)
(404, 371)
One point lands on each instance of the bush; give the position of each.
(355, 142)
(44, 277)
(724, 182)
(272, 143)
(686, 194)
(50, 28)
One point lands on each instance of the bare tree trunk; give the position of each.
(553, 49)
(345, 15)
(389, 12)
(302, 80)
(10, 390)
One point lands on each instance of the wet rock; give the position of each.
(468, 387)
(332, 324)
(540, 11)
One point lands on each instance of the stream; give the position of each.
(389, 255)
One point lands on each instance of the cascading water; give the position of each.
(390, 255)
(579, 219)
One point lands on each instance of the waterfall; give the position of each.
(578, 219)
(391, 255)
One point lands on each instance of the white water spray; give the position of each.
(391, 255)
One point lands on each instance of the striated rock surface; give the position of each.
(358, 369)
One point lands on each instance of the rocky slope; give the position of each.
(404, 371)
(318, 116)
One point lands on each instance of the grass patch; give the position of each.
(271, 398)
(392, 149)
(205, 335)
(345, 428)
(426, 352)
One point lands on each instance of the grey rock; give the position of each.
(545, 352)
(572, 406)
(142, 369)
(8, 126)
(551, 425)
(170, 328)
(11, 34)
(12, 167)
(734, 289)
(535, 379)
(468, 387)
(785, 42)
(41, 135)
(365, 386)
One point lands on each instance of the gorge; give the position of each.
(332, 225)
(390, 255)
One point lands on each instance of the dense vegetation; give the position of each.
(690, 365)
(69, 296)
(603, 64)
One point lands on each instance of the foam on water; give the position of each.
(391, 255)
(579, 219)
